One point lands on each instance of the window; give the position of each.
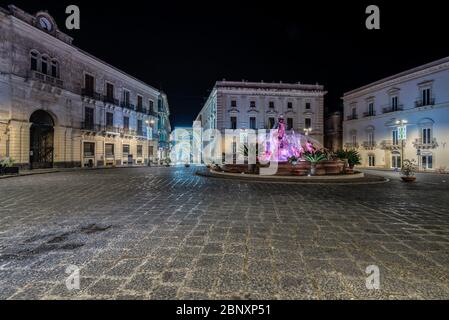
(151, 106)
(34, 61)
(252, 123)
(234, 123)
(426, 97)
(271, 105)
(125, 149)
(126, 97)
(308, 123)
(371, 161)
(88, 118)
(139, 127)
(139, 151)
(126, 123)
(371, 139)
(109, 120)
(427, 162)
(426, 136)
(394, 103)
(308, 105)
(54, 69)
(396, 161)
(139, 103)
(289, 105)
(89, 149)
(109, 91)
(354, 113)
(252, 104)
(109, 150)
(44, 65)
(354, 140)
(89, 84)
(371, 109)
(234, 104)
(289, 123)
(270, 123)
(395, 137)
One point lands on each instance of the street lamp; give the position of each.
(402, 135)
(150, 125)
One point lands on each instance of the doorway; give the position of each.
(41, 140)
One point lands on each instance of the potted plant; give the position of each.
(7, 166)
(351, 157)
(408, 171)
(314, 158)
(253, 149)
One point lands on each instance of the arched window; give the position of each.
(34, 60)
(44, 64)
(54, 68)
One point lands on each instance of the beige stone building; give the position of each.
(61, 107)
(259, 105)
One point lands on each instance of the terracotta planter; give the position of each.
(408, 179)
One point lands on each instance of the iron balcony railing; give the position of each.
(369, 145)
(422, 103)
(369, 114)
(111, 100)
(90, 126)
(351, 145)
(152, 114)
(391, 109)
(36, 75)
(420, 144)
(352, 117)
(127, 105)
(90, 94)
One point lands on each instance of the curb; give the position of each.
(357, 181)
(31, 173)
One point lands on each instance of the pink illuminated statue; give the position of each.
(284, 144)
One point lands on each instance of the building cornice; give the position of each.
(76, 52)
(412, 74)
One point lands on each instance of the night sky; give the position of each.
(184, 47)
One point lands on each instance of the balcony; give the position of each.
(391, 109)
(418, 144)
(421, 103)
(127, 105)
(369, 145)
(351, 145)
(36, 75)
(152, 114)
(390, 145)
(91, 127)
(141, 109)
(111, 129)
(89, 93)
(110, 100)
(352, 117)
(369, 114)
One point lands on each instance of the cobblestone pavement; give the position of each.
(164, 233)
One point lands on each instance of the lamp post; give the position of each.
(307, 131)
(402, 135)
(150, 125)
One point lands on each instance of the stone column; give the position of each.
(19, 142)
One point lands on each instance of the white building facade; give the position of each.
(417, 100)
(252, 105)
(61, 107)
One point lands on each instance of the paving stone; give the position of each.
(159, 233)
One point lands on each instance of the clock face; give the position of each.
(45, 23)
